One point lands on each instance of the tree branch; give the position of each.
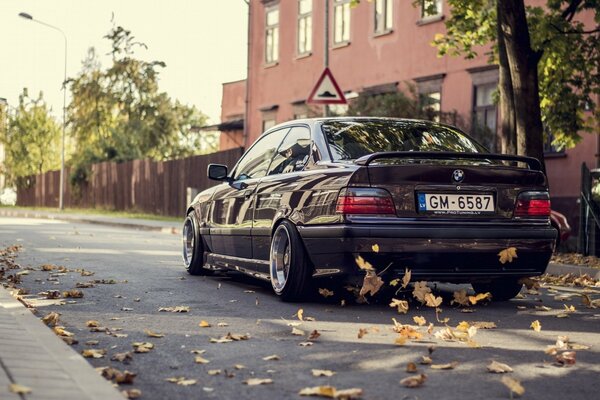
(575, 32)
(571, 10)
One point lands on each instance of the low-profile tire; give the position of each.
(288, 264)
(502, 289)
(194, 256)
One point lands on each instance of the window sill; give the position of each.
(303, 55)
(383, 33)
(340, 45)
(561, 154)
(430, 20)
(271, 64)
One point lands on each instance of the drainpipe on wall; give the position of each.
(248, 60)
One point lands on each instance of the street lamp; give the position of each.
(64, 124)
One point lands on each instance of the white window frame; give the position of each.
(304, 39)
(341, 21)
(383, 16)
(271, 36)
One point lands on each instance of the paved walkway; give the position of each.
(136, 223)
(33, 356)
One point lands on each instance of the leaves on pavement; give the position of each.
(298, 332)
(331, 392)
(536, 326)
(204, 324)
(93, 353)
(132, 393)
(153, 334)
(51, 319)
(272, 357)
(125, 357)
(258, 381)
(371, 284)
(433, 301)
(414, 381)
(479, 297)
(419, 320)
(420, 290)
(182, 381)
(322, 372)
(451, 365)
(73, 293)
(513, 385)
(401, 305)
(498, 368)
(461, 298)
(201, 360)
(230, 337)
(364, 265)
(19, 389)
(113, 374)
(142, 347)
(406, 278)
(325, 292)
(176, 309)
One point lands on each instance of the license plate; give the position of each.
(441, 203)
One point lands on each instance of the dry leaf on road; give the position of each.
(180, 380)
(176, 309)
(419, 320)
(480, 296)
(204, 324)
(406, 278)
(375, 248)
(414, 381)
(514, 385)
(73, 293)
(401, 305)
(421, 289)
(201, 360)
(273, 357)
(536, 326)
(364, 265)
(298, 332)
(19, 389)
(258, 381)
(153, 334)
(61, 331)
(566, 358)
(507, 255)
(451, 365)
(371, 284)
(122, 357)
(93, 353)
(51, 319)
(322, 372)
(432, 301)
(142, 347)
(498, 368)
(314, 335)
(331, 392)
(325, 292)
(460, 298)
(132, 393)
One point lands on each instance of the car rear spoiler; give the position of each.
(533, 163)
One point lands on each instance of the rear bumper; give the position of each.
(453, 253)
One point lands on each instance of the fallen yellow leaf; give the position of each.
(364, 265)
(480, 296)
(204, 324)
(322, 372)
(536, 326)
(401, 305)
(513, 385)
(201, 360)
(258, 381)
(325, 292)
(153, 334)
(375, 248)
(419, 320)
(414, 381)
(19, 389)
(498, 368)
(507, 255)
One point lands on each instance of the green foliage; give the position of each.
(119, 113)
(31, 142)
(569, 66)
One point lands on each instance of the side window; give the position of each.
(293, 153)
(255, 162)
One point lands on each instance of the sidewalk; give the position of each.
(135, 223)
(32, 356)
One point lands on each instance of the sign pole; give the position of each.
(326, 58)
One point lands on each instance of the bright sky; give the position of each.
(203, 43)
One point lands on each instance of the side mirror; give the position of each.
(217, 172)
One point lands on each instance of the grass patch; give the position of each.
(101, 212)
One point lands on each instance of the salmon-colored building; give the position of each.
(377, 47)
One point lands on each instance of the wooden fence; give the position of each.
(139, 185)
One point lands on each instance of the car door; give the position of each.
(232, 204)
(278, 190)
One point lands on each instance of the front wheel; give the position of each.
(502, 289)
(289, 266)
(193, 247)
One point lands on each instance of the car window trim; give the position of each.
(283, 140)
(265, 134)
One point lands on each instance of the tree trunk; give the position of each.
(507, 138)
(522, 62)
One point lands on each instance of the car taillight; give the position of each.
(365, 201)
(533, 204)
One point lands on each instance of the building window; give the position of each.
(431, 8)
(268, 124)
(383, 16)
(484, 109)
(272, 35)
(341, 21)
(304, 26)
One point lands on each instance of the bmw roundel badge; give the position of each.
(458, 175)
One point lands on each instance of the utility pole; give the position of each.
(326, 58)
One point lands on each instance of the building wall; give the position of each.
(402, 55)
(233, 106)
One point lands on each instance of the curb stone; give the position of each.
(30, 353)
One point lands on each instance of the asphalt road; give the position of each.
(149, 275)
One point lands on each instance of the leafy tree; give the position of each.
(549, 64)
(31, 142)
(119, 113)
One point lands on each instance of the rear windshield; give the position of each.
(352, 139)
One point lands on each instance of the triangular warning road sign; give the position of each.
(326, 91)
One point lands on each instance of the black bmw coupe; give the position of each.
(311, 196)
